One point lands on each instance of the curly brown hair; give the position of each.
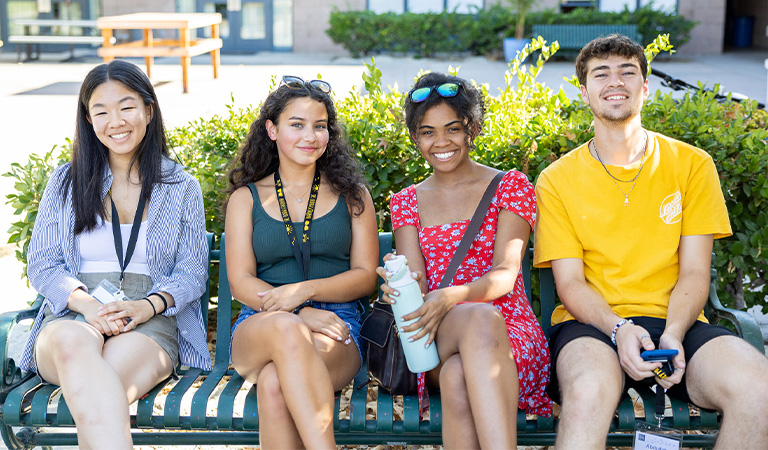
(258, 156)
(611, 45)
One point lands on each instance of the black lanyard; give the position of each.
(118, 235)
(302, 255)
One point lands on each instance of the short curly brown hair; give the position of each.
(611, 45)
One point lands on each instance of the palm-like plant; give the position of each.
(521, 7)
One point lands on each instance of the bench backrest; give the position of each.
(577, 36)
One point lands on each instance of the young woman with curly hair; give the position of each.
(299, 280)
(493, 352)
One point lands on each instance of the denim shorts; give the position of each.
(349, 312)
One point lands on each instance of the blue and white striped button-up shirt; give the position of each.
(177, 256)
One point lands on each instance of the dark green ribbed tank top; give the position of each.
(330, 242)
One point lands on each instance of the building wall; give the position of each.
(310, 20)
(707, 37)
(118, 7)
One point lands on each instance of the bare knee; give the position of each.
(292, 336)
(485, 327)
(67, 342)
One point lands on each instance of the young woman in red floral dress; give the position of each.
(493, 353)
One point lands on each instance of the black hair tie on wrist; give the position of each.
(152, 305)
(165, 302)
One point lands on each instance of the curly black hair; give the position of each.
(258, 156)
(611, 45)
(467, 103)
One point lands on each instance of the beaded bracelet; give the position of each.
(617, 326)
(152, 305)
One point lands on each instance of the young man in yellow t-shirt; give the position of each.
(627, 222)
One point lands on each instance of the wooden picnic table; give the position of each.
(184, 47)
(30, 40)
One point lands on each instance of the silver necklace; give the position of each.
(299, 199)
(633, 180)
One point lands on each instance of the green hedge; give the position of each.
(527, 127)
(481, 33)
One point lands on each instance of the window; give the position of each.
(423, 6)
(619, 5)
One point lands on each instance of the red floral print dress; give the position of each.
(438, 244)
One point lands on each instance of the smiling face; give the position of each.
(301, 132)
(615, 88)
(442, 138)
(119, 118)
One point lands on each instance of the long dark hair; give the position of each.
(258, 156)
(468, 104)
(90, 156)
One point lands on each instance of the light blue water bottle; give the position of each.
(419, 359)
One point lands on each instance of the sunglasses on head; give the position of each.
(445, 90)
(294, 82)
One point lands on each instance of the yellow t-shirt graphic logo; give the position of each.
(671, 210)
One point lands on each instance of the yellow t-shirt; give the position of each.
(630, 253)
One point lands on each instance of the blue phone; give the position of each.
(665, 357)
(659, 355)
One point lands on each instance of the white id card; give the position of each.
(107, 292)
(652, 437)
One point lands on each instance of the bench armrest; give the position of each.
(11, 373)
(745, 324)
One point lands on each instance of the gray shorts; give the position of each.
(160, 329)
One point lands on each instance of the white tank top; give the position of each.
(97, 249)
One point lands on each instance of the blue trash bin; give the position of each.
(742, 31)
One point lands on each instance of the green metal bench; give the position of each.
(26, 405)
(573, 37)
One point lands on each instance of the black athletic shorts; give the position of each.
(698, 335)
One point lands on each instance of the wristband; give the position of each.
(152, 305)
(617, 326)
(302, 306)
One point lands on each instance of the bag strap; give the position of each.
(472, 229)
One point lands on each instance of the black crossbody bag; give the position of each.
(385, 358)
